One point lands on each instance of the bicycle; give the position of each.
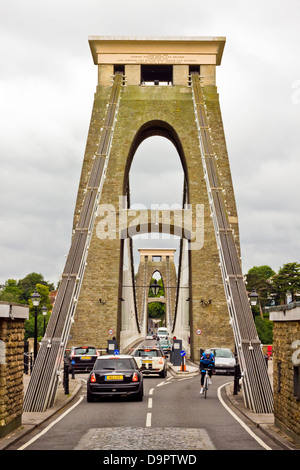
(206, 381)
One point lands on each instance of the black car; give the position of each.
(82, 358)
(115, 375)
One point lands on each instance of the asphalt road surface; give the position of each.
(172, 416)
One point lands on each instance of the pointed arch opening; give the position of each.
(156, 178)
(156, 312)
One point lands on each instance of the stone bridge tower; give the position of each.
(147, 87)
(156, 99)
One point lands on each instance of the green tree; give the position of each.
(10, 292)
(259, 278)
(157, 309)
(264, 329)
(28, 283)
(287, 281)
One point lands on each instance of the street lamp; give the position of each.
(44, 312)
(253, 297)
(35, 302)
(155, 287)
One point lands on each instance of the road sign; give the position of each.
(182, 353)
(110, 331)
(116, 352)
(198, 331)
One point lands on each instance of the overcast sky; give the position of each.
(47, 85)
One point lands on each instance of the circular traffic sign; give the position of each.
(110, 331)
(183, 353)
(198, 331)
(116, 352)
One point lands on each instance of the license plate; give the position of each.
(219, 370)
(86, 358)
(146, 362)
(114, 377)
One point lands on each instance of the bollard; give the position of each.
(72, 369)
(237, 376)
(183, 368)
(66, 378)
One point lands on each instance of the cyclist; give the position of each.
(207, 361)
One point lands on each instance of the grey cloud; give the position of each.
(47, 85)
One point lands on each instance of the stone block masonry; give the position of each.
(144, 112)
(286, 368)
(11, 366)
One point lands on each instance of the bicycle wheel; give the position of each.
(205, 386)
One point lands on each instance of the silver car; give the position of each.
(224, 360)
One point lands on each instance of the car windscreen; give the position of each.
(115, 364)
(79, 351)
(147, 352)
(223, 353)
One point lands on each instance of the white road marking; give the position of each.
(50, 425)
(149, 402)
(148, 420)
(163, 383)
(260, 441)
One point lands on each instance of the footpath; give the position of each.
(30, 421)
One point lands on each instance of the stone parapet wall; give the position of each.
(11, 373)
(286, 405)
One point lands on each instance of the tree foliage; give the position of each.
(10, 292)
(157, 309)
(287, 281)
(264, 329)
(20, 291)
(259, 278)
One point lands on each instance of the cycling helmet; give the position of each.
(207, 352)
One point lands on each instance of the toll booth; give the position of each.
(175, 353)
(112, 346)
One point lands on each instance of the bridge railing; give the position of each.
(257, 388)
(45, 376)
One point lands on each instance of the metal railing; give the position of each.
(45, 376)
(257, 388)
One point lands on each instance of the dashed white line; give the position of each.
(148, 420)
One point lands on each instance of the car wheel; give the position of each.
(163, 373)
(139, 396)
(89, 397)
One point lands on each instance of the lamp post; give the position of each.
(253, 298)
(44, 312)
(35, 302)
(155, 287)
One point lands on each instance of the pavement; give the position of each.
(32, 420)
